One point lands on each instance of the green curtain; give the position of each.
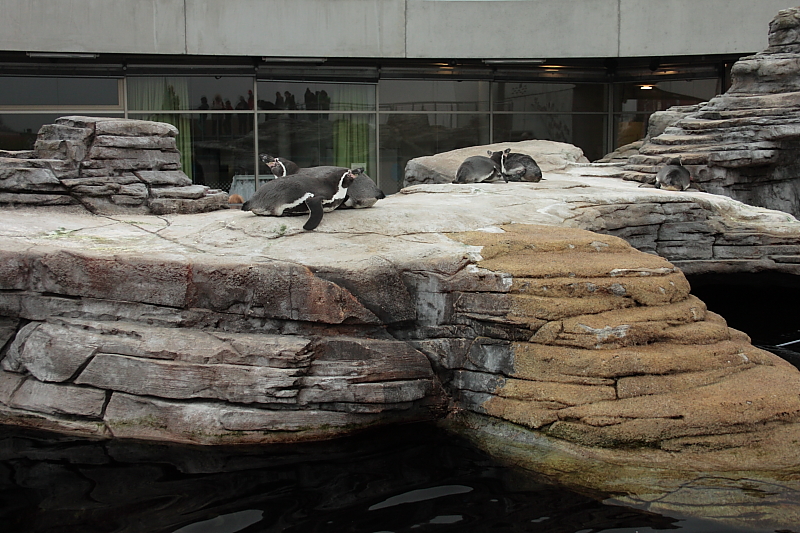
(351, 141)
(168, 94)
(351, 132)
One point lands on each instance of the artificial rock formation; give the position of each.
(441, 168)
(107, 165)
(744, 143)
(230, 328)
(564, 350)
(700, 233)
(595, 343)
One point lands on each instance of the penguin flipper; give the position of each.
(314, 205)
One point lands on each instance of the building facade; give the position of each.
(368, 83)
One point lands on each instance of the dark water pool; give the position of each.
(766, 306)
(414, 478)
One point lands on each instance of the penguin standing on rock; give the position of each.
(673, 176)
(304, 192)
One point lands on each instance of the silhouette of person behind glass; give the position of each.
(203, 116)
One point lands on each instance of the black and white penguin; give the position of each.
(304, 192)
(478, 169)
(279, 166)
(362, 193)
(673, 176)
(516, 166)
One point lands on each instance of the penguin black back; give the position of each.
(362, 193)
(516, 167)
(673, 176)
(477, 169)
(303, 192)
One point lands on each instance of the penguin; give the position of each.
(673, 176)
(279, 166)
(477, 169)
(304, 192)
(516, 166)
(361, 194)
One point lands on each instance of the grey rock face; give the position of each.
(107, 165)
(442, 168)
(745, 143)
(228, 328)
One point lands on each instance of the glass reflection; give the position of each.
(217, 93)
(278, 95)
(37, 91)
(314, 139)
(434, 95)
(405, 136)
(630, 127)
(586, 131)
(550, 97)
(213, 148)
(649, 97)
(635, 102)
(18, 131)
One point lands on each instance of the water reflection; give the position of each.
(407, 479)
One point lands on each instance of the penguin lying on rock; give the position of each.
(478, 169)
(673, 176)
(312, 192)
(362, 193)
(516, 167)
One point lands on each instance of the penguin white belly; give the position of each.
(280, 209)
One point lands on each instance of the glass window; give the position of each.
(19, 131)
(43, 91)
(649, 97)
(214, 148)
(586, 131)
(629, 127)
(190, 92)
(278, 95)
(635, 102)
(550, 97)
(405, 136)
(314, 139)
(434, 95)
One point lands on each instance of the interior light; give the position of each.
(646, 87)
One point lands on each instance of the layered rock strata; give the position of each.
(700, 233)
(145, 348)
(744, 143)
(107, 165)
(592, 342)
(230, 328)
